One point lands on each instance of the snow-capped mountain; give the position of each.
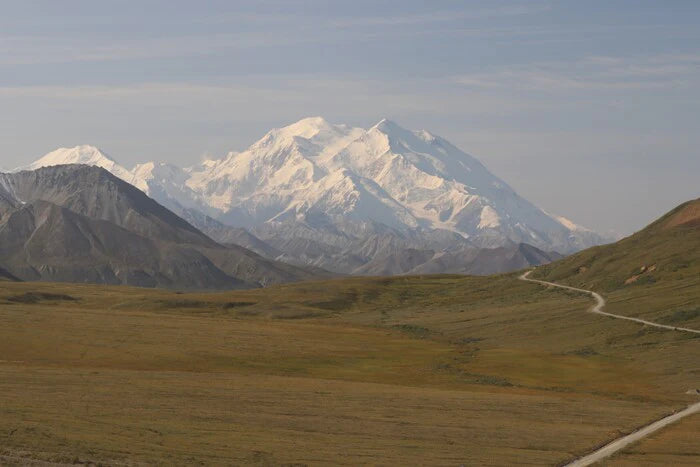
(84, 154)
(326, 187)
(316, 174)
(162, 181)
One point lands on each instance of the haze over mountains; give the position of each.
(383, 200)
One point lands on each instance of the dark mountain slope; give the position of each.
(43, 241)
(96, 193)
(394, 262)
(82, 224)
(227, 235)
(6, 276)
(485, 261)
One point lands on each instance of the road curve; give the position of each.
(621, 443)
(600, 303)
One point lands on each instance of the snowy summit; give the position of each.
(327, 182)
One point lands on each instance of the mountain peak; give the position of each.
(306, 127)
(87, 148)
(82, 154)
(316, 121)
(301, 168)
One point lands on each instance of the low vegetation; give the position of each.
(433, 369)
(653, 274)
(405, 370)
(675, 445)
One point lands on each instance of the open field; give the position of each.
(433, 370)
(180, 417)
(674, 445)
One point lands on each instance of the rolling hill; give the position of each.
(653, 273)
(667, 249)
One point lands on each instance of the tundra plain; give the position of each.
(433, 369)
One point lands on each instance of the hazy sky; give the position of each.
(590, 109)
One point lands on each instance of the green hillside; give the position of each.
(654, 274)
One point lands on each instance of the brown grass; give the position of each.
(437, 370)
(675, 445)
(689, 215)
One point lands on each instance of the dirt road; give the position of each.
(621, 443)
(600, 303)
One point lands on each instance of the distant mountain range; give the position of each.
(77, 223)
(379, 201)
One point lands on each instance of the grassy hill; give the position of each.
(427, 370)
(654, 274)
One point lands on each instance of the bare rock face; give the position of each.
(80, 223)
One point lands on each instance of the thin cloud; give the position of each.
(21, 50)
(439, 16)
(593, 73)
(287, 94)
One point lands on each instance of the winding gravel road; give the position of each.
(600, 303)
(621, 443)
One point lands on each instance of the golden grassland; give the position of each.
(439, 370)
(676, 445)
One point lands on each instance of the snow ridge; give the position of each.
(328, 181)
(84, 154)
